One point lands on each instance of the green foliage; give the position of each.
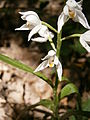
(72, 114)
(47, 103)
(68, 89)
(65, 79)
(86, 105)
(24, 67)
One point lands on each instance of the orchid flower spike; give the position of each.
(85, 40)
(51, 60)
(72, 10)
(34, 24)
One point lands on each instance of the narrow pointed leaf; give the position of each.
(47, 103)
(68, 89)
(24, 67)
(76, 113)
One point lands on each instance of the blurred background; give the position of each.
(74, 58)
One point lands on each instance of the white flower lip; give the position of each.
(73, 10)
(85, 40)
(33, 23)
(51, 60)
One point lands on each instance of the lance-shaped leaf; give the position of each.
(68, 89)
(44, 102)
(24, 67)
(76, 113)
(47, 103)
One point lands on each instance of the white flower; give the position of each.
(34, 24)
(72, 10)
(50, 60)
(85, 40)
(44, 33)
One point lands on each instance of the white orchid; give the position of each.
(34, 24)
(50, 60)
(85, 40)
(72, 10)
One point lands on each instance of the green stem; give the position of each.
(59, 43)
(49, 26)
(71, 36)
(51, 42)
(56, 100)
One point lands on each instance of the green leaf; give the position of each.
(76, 113)
(24, 67)
(68, 89)
(47, 103)
(86, 105)
(65, 79)
(44, 102)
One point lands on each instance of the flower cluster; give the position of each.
(72, 10)
(34, 24)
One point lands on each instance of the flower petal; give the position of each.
(61, 20)
(33, 20)
(25, 14)
(39, 39)
(86, 36)
(23, 27)
(34, 31)
(85, 45)
(51, 53)
(59, 71)
(42, 32)
(56, 60)
(80, 17)
(51, 34)
(59, 67)
(42, 66)
(65, 10)
(85, 40)
(31, 17)
(71, 3)
(80, 2)
(46, 57)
